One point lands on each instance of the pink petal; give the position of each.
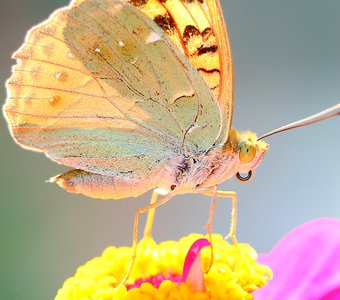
(306, 263)
(333, 295)
(192, 269)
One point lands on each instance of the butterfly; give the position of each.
(131, 97)
(134, 95)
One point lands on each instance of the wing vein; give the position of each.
(56, 89)
(163, 136)
(164, 105)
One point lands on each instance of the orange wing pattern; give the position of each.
(198, 29)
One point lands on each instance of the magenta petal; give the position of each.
(192, 269)
(305, 263)
(333, 295)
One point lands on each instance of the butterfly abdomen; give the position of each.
(102, 186)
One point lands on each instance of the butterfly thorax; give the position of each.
(192, 173)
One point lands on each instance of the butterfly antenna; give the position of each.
(323, 115)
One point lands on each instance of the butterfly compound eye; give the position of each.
(247, 152)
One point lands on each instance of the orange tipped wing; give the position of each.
(100, 87)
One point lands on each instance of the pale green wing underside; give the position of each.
(100, 87)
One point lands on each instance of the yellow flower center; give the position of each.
(157, 273)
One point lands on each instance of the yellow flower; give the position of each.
(170, 270)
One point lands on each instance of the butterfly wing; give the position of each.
(198, 29)
(101, 88)
(226, 91)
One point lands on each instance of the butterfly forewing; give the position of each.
(189, 28)
(226, 92)
(101, 87)
(198, 29)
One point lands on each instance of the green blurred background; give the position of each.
(287, 66)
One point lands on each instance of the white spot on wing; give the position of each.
(70, 55)
(121, 44)
(193, 127)
(180, 95)
(97, 50)
(153, 37)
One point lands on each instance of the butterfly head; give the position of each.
(250, 152)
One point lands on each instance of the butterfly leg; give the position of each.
(223, 194)
(151, 212)
(151, 207)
